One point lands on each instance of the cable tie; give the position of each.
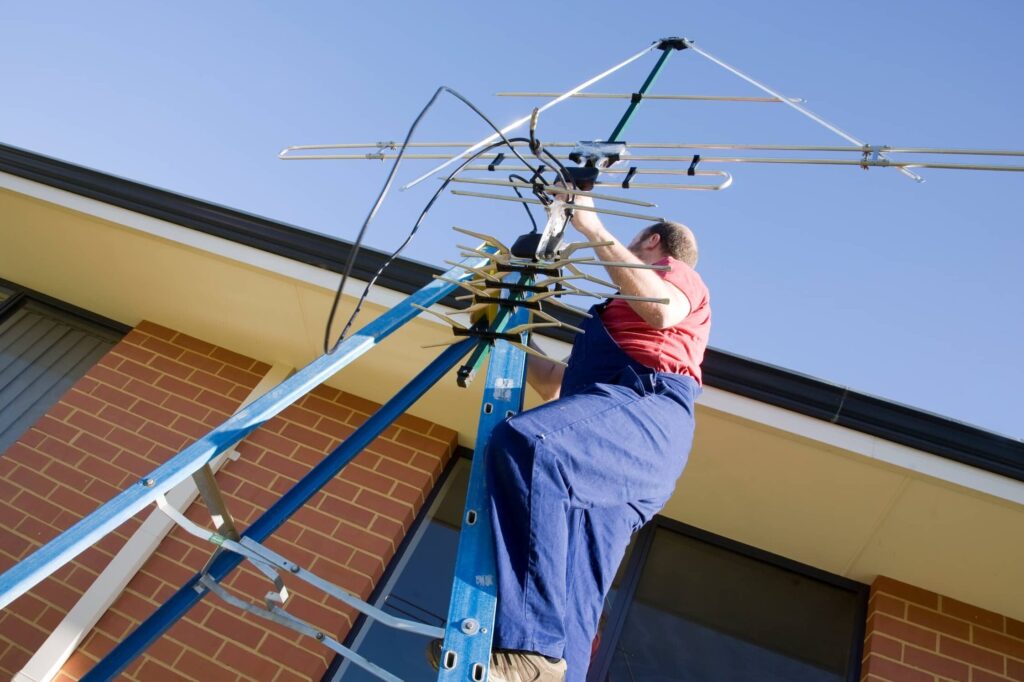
(629, 176)
(692, 170)
(496, 162)
(636, 97)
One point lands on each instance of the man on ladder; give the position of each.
(571, 480)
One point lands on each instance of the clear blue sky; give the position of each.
(910, 292)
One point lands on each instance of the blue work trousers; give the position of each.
(570, 482)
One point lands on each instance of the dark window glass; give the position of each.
(703, 612)
(418, 588)
(43, 351)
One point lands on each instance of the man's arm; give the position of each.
(633, 281)
(544, 375)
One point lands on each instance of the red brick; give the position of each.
(891, 671)
(414, 477)
(414, 423)
(342, 575)
(901, 630)
(387, 448)
(135, 466)
(153, 329)
(232, 358)
(343, 509)
(368, 479)
(132, 442)
(422, 443)
(247, 662)
(244, 633)
(940, 665)
(114, 396)
(193, 344)
(139, 372)
(121, 417)
(1015, 669)
(959, 609)
(151, 670)
(362, 539)
(316, 520)
(388, 527)
(904, 591)
(187, 408)
(358, 403)
(429, 463)
(74, 501)
(979, 675)
(1014, 628)
(56, 429)
(239, 376)
(970, 654)
(301, 416)
(134, 352)
(444, 433)
(220, 403)
(391, 508)
(335, 429)
(30, 480)
(109, 376)
(998, 642)
(327, 408)
(408, 494)
(33, 504)
(239, 393)
(83, 402)
(271, 441)
(171, 367)
(162, 347)
(317, 441)
(179, 387)
(89, 423)
(13, 545)
(937, 621)
(190, 427)
(211, 382)
(282, 465)
(202, 668)
(367, 565)
(164, 436)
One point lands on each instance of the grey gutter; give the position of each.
(760, 381)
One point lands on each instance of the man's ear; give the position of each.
(653, 240)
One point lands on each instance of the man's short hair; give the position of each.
(677, 240)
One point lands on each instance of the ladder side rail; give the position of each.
(290, 502)
(44, 561)
(470, 626)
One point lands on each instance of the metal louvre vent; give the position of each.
(43, 351)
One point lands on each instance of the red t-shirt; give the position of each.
(678, 349)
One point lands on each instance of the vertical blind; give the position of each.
(43, 351)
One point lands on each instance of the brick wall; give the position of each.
(914, 635)
(155, 392)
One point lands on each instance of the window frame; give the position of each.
(638, 559)
(21, 295)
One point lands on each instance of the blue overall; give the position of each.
(570, 482)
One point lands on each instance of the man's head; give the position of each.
(665, 239)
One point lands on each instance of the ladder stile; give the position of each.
(470, 628)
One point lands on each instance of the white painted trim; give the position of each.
(48, 660)
(872, 447)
